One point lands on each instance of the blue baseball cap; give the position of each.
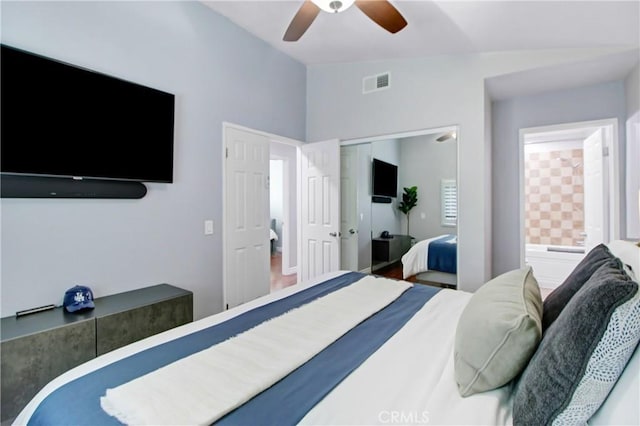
(78, 297)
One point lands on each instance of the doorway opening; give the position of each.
(568, 190)
(283, 215)
(246, 220)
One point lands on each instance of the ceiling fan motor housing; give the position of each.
(381, 12)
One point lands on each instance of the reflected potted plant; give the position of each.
(409, 201)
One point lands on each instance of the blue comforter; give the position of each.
(443, 254)
(78, 402)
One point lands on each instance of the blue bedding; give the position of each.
(443, 255)
(78, 402)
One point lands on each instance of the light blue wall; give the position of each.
(218, 72)
(424, 163)
(601, 101)
(425, 93)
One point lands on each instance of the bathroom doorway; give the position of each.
(568, 191)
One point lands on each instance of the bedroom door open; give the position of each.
(246, 254)
(320, 208)
(595, 202)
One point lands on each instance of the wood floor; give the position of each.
(395, 271)
(279, 281)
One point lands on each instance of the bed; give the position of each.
(395, 366)
(433, 260)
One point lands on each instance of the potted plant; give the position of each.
(409, 201)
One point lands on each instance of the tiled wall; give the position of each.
(554, 197)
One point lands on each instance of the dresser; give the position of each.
(36, 348)
(386, 251)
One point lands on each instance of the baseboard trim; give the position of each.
(290, 271)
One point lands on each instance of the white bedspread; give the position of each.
(410, 379)
(203, 387)
(415, 260)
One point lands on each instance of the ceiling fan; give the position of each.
(381, 12)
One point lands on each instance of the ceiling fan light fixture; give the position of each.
(333, 6)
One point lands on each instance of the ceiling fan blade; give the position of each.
(301, 22)
(383, 13)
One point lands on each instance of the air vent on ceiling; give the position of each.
(375, 83)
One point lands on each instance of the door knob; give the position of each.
(352, 231)
(333, 234)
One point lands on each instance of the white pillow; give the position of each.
(621, 406)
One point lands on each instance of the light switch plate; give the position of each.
(208, 227)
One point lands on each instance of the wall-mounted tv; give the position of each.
(62, 120)
(385, 179)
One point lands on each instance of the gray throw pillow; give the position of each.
(498, 332)
(556, 370)
(558, 299)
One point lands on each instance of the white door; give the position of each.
(349, 208)
(247, 216)
(594, 184)
(320, 208)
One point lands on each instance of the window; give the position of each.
(449, 202)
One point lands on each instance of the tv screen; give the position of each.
(385, 179)
(61, 120)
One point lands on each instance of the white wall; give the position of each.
(218, 72)
(594, 102)
(424, 163)
(276, 197)
(430, 93)
(632, 91)
(289, 155)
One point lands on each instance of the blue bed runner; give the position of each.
(443, 254)
(289, 400)
(78, 402)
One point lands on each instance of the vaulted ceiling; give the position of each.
(441, 27)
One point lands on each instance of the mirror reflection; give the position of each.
(399, 207)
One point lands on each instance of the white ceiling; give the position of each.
(441, 27)
(458, 27)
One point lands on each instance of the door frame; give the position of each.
(272, 137)
(610, 130)
(407, 134)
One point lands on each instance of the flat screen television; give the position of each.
(62, 120)
(385, 179)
